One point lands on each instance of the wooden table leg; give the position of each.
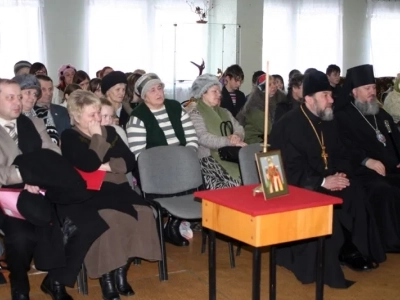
(272, 273)
(256, 273)
(212, 275)
(320, 269)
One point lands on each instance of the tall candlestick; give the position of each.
(266, 118)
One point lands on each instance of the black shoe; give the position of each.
(121, 282)
(19, 296)
(356, 261)
(172, 234)
(55, 289)
(108, 289)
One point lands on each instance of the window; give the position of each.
(302, 34)
(21, 36)
(384, 22)
(118, 35)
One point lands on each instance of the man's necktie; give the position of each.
(12, 132)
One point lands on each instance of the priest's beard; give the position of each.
(325, 114)
(367, 108)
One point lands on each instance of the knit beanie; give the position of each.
(111, 79)
(202, 83)
(21, 64)
(29, 81)
(146, 82)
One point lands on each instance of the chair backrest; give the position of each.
(169, 170)
(247, 164)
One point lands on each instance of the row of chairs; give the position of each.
(169, 176)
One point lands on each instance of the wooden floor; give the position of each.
(188, 279)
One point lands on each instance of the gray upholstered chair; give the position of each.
(247, 164)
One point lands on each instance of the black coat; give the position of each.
(285, 106)
(304, 167)
(226, 101)
(361, 142)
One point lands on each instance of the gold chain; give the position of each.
(324, 155)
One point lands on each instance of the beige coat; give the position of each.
(9, 151)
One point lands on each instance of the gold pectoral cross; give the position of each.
(324, 156)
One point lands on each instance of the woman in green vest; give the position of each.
(208, 118)
(155, 122)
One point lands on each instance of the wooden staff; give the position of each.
(266, 118)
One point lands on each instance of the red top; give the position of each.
(241, 199)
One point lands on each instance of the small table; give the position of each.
(236, 213)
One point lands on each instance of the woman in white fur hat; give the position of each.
(208, 118)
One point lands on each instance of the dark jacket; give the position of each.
(61, 117)
(285, 106)
(226, 101)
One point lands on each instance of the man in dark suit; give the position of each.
(17, 133)
(55, 116)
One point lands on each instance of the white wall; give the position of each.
(356, 35)
(64, 27)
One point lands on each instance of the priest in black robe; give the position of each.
(370, 134)
(315, 159)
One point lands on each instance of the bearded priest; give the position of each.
(315, 159)
(373, 140)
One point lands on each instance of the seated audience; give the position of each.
(108, 118)
(104, 72)
(315, 159)
(209, 120)
(132, 100)
(95, 87)
(22, 67)
(83, 79)
(333, 74)
(132, 229)
(113, 87)
(55, 117)
(67, 92)
(40, 69)
(158, 121)
(21, 134)
(392, 101)
(30, 91)
(254, 78)
(232, 98)
(371, 138)
(279, 82)
(252, 115)
(294, 97)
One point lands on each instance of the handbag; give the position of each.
(228, 153)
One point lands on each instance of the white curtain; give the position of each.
(159, 36)
(21, 34)
(385, 46)
(301, 34)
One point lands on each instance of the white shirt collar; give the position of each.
(118, 111)
(4, 122)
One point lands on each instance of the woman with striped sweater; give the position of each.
(159, 122)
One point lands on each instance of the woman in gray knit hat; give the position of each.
(209, 120)
(31, 92)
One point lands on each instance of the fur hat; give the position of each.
(145, 82)
(111, 79)
(202, 83)
(314, 82)
(21, 64)
(29, 81)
